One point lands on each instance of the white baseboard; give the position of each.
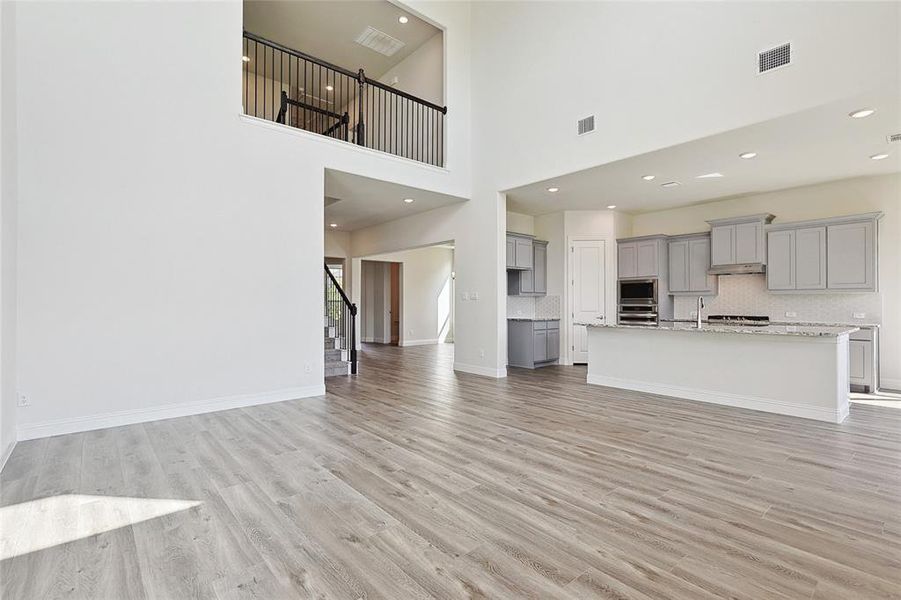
(480, 370)
(157, 413)
(7, 452)
(736, 400)
(889, 384)
(419, 342)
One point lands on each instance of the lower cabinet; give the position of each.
(532, 344)
(863, 362)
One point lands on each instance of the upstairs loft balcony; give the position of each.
(302, 91)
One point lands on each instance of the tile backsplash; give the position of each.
(747, 295)
(538, 307)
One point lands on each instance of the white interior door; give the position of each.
(587, 276)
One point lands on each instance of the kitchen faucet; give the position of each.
(700, 306)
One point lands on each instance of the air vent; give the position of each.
(895, 137)
(586, 125)
(379, 41)
(774, 58)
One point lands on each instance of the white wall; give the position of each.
(520, 223)
(422, 73)
(166, 267)
(845, 197)
(656, 74)
(8, 229)
(426, 294)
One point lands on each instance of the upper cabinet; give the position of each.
(738, 240)
(836, 254)
(519, 251)
(640, 257)
(689, 260)
(526, 266)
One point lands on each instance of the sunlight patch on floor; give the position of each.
(882, 398)
(46, 522)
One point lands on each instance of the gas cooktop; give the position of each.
(749, 320)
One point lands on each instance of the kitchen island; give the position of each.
(792, 370)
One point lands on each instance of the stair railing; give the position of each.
(293, 88)
(341, 317)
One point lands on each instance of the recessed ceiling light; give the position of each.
(332, 224)
(709, 176)
(670, 184)
(402, 19)
(408, 200)
(747, 155)
(860, 114)
(879, 156)
(245, 58)
(553, 190)
(648, 177)
(329, 88)
(611, 206)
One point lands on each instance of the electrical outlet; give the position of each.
(481, 353)
(409, 332)
(791, 314)
(693, 313)
(860, 315)
(474, 295)
(308, 368)
(23, 400)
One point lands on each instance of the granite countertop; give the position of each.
(532, 319)
(799, 323)
(797, 330)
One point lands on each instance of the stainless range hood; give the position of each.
(743, 269)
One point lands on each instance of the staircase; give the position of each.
(340, 329)
(335, 363)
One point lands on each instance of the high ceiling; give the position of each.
(354, 202)
(813, 146)
(328, 30)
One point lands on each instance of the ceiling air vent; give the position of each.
(895, 137)
(774, 58)
(586, 125)
(379, 41)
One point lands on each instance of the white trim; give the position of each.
(418, 342)
(6, 454)
(480, 370)
(735, 400)
(886, 383)
(142, 415)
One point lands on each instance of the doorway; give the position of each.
(586, 297)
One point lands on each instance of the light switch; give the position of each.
(465, 295)
(474, 295)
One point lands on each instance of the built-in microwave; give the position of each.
(637, 291)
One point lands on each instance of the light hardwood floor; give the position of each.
(411, 481)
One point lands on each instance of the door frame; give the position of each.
(567, 287)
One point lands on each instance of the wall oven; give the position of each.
(637, 302)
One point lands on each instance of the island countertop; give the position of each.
(795, 330)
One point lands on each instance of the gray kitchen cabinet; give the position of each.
(519, 251)
(738, 240)
(810, 258)
(823, 255)
(780, 267)
(532, 344)
(626, 260)
(863, 360)
(851, 256)
(640, 257)
(689, 260)
(531, 281)
(540, 267)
